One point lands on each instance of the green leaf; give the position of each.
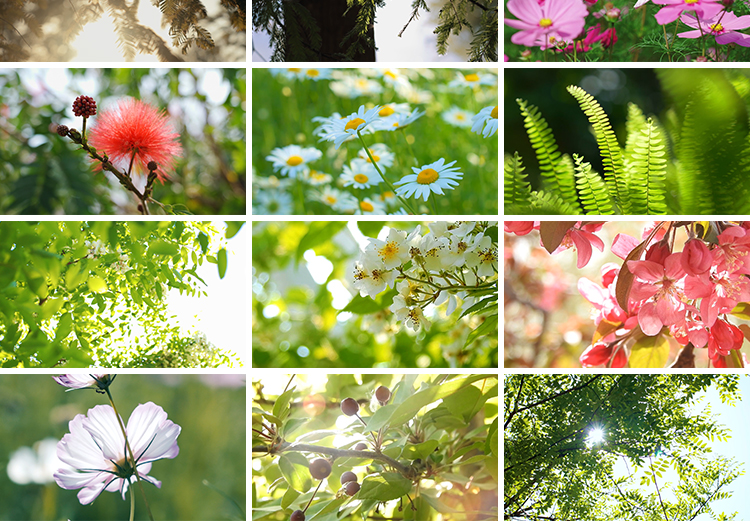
(203, 242)
(414, 403)
(289, 497)
(489, 324)
(233, 228)
(281, 406)
(380, 417)
(492, 439)
(160, 247)
(295, 469)
(97, 284)
(365, 305)
(420, 451)
(222, 262)
(385, 486)
(650, 352)
(465, 403)
(317, 233)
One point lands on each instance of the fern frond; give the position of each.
(591, 189)
(543, 203)
(557, 175)
(516, 188)
(635, 121)
(694, 197)
(647, 171)
(609, 148)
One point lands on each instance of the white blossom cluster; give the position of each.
(447, 264)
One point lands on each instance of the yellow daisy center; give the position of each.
(460, 116)
(427, 176)
(294, 160)
(390, 75)
(472, 77)
(366, 206)
(386, 111)
(294, 69)
(375, 157)
(546, 22)
(493, 113)
(354, 123)
(386, 194)
(313, 72)
(331, 199)
(360, 178)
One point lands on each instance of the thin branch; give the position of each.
(556, 395)
(656, 484)
(16, 30)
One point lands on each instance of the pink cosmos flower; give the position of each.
(93, 381)
(593, 35)
(723, 25)
(674, 8)
(660, 285)
(548, 23)
(134, 130)
(95, 453)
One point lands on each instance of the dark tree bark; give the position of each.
(333, 25)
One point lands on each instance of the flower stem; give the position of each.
(372, 160)
(132, 501)
(83, 131)
(132, 455)
(434, 205)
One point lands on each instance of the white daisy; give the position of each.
(398, 120)
(432, 178)
(315, 74)
(316, 178)
(360, 174)
(458, 117)
(380, 154)
(487, 119)
(351, 87)
(272, 202)
(291, 160)
(370, 207)
(347, 127)
(473, 79)
(338, 200)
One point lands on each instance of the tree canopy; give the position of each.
(78, 294)
(648, 431)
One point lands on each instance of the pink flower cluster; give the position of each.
(684, 294)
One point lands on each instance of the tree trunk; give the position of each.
(329, 17)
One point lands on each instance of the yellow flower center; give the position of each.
(691, 2)
(493, 113)
(313, 72)
(386, 194)
(460, 116)
(294, 69)
(389, 250)
(389, 75)
(546, 22)
(427, 176)
(386, 111)
(294, 160)
(716, 28)
(331, 199)
(354, 123)
(375, 157)
(362, 179)
(366, 206)
(472, 77)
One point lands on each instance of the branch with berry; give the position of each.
(133, 132)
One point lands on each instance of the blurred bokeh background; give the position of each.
(42, 173)
(206, 481)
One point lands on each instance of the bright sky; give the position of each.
(222, 315)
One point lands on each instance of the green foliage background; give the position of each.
(308, 318)
(283, 112)
(212, 447)
(60, 305)
(42, 173)
(452, 421)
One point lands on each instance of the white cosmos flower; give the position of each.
(457, 117)
(431, 178)
(370, 207)
(291, 160)
(94, 452)
(487, 119)
(360, 174)
(82, 381)
(380, 153)
(346, 128)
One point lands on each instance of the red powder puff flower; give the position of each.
(136, 132)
